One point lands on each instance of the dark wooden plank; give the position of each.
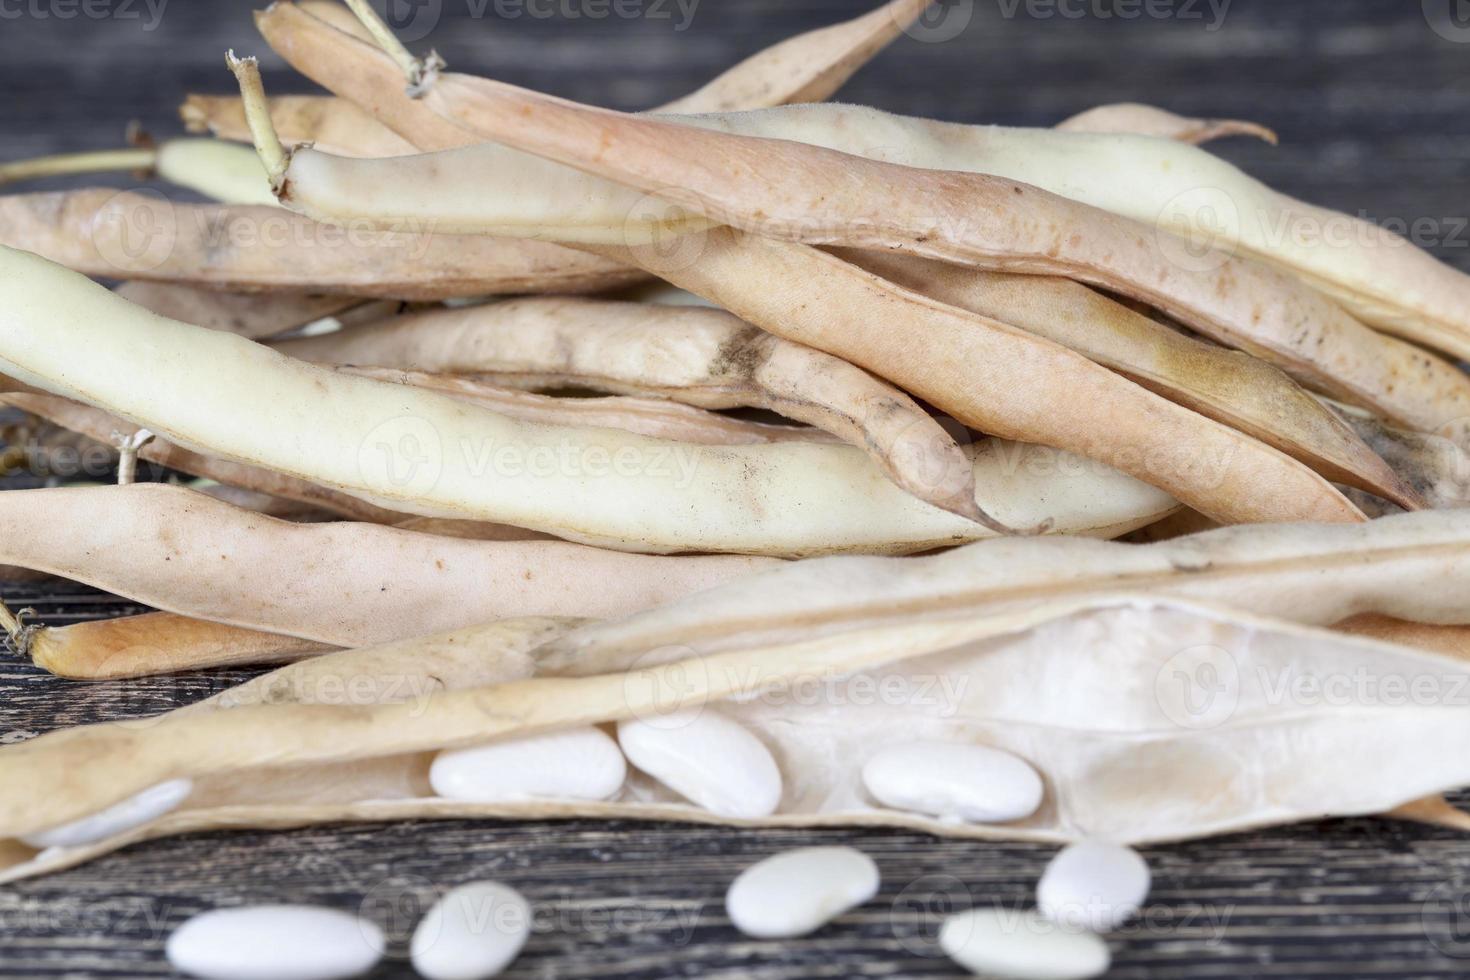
(1374, 106)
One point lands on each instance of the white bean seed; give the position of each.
(954, 781)
(275, 942)
(1021, 946)
(134, 811)
(579, 764)
(798, 892)
(472, 933)
(707, 758)
(1093, 885)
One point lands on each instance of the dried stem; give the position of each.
(68, 164)
(9, 621)
(273, 154)
(128, 447)
(13, 623)
(1146, 120)
(421, 73)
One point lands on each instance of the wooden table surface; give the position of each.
(1372, 99)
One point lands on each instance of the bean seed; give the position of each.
(797, 892)
(474, 932)
(1093, 885)
(579, 764)
(134, 811)
(707, 758)
(1021, 946)
(954, 781)
(275, 942)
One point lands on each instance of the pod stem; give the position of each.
(421, 73)
(128, 447)
(268, 145)
(21, 636)
(65, 164)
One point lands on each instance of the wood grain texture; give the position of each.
(1374, 109)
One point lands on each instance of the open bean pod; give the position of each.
(1142, 761)
(1412, 566)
